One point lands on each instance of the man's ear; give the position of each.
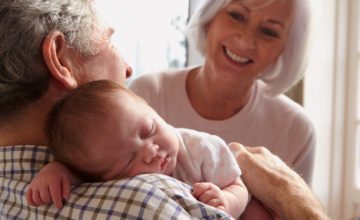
(57, 58)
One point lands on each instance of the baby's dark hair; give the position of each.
(73, 115)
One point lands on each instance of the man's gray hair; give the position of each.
(24, 24)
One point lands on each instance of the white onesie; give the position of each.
(204, 158)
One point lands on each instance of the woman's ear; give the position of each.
(57, 57)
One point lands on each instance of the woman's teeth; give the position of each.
(235, 57)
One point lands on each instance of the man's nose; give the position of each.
(129, 71)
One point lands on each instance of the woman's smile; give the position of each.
(236, 58)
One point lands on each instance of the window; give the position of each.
(352, 188)
(357, 122)
(148, 34)
(357, 99)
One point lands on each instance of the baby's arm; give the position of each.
(232, 198)
(51, 185)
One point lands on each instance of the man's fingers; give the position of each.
(236, 148)
(242, 156)
(258, 150)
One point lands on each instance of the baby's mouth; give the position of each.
(164, 163)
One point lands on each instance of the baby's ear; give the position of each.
(57, 57)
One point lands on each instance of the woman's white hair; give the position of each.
(290, 66)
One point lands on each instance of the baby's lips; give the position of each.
(163, 163)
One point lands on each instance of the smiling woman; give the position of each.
(149, 33)
(253, 51)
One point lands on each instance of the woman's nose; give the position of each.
(245, 41)
(150, 152)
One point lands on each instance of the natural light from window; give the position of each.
(148, 33)
(358, 157)
(358, 122)
(357, 106)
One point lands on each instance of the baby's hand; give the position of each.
(50, 185)
(210, 194)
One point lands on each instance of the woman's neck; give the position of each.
(215, 99)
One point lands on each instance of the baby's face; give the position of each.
(133, 139)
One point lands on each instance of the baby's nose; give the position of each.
(151, 151)
(161, 154)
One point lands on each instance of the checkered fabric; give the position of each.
(147, 196)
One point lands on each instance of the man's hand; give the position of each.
(276, 185)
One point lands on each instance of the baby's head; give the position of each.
(103, 131)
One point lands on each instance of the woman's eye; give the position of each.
(237, 16)
(270, 32)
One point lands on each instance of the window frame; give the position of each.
(352, 186)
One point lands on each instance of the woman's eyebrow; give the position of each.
(276, 22)
(273, 21)
(240, 2)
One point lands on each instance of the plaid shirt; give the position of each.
(147, 196)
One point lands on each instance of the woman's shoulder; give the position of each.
(283, 108)
(280, 102)
(158, 88)
(158, 79)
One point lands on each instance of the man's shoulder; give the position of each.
(22, 162)
(145, 196)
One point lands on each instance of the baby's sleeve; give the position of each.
(218, 163)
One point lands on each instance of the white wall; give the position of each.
(324, 100)
(318, 96)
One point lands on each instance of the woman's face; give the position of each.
(242, 41)
(106, 64)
